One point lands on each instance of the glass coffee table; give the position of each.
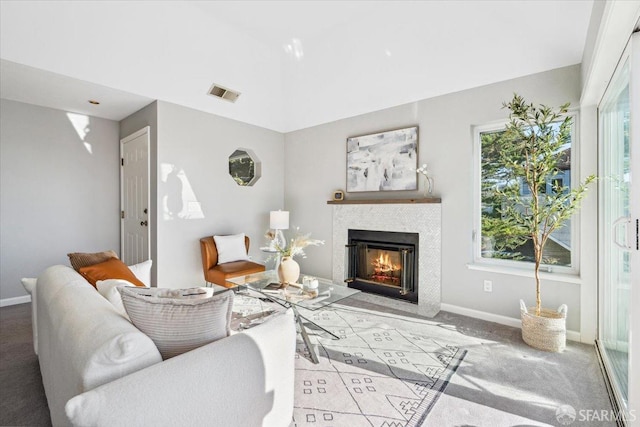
(293, 296)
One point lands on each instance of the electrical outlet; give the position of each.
(488, 286)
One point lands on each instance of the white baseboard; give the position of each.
(497, 318)
(14, 301)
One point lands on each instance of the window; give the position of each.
(493, 244)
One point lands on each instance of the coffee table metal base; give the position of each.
(303, 329)
(305, 336)
(327, 294)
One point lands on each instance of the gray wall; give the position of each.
(57, 197)
(315, 162)
(196, 146)
(59, 192)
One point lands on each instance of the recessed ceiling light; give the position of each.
(94, 102)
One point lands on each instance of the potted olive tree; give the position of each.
(536, 203)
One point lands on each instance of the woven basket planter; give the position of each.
(548, 331)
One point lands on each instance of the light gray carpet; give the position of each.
(22, 399)
(501, 381)
(504, 382)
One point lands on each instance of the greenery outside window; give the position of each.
(493, 244)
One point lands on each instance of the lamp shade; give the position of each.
(279, 220)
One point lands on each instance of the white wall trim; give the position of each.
(15, 301)
(522, 272)
(618, 21)
(497, 318)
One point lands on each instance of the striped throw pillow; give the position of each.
(83, 259)
(179, 320)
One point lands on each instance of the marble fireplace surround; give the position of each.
(422, 216)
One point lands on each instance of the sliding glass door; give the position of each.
(618, 284)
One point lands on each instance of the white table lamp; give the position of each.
(278, 221)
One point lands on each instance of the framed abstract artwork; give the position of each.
(384, 161)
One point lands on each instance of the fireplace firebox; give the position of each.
(383, 262)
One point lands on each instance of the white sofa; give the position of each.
(100, 370)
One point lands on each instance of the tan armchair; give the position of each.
(219, 273)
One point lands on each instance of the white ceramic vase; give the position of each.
(428, 186)
(288, 271)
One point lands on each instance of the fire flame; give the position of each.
(383, 264)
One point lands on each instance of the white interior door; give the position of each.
(134, 197)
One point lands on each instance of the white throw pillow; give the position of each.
(231, 248)
(142, 271)
(108, 289)
(179, 320)
(29, 284)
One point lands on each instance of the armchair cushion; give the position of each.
(231, 248)
(222, 272)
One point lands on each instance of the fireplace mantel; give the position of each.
(384, 201)
(423, 218)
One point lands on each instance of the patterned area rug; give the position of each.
(379, 373)
(384, 371)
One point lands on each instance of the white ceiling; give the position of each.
(296, 63)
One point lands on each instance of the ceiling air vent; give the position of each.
(224, 93)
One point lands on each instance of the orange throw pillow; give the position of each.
(110, 269)
(82, 259)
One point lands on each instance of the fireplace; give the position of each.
(383, 262)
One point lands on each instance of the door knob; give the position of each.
(144, 223)
(145, 210)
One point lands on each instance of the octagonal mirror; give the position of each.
(244, 167)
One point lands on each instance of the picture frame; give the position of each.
(338, 195)
(383, 161)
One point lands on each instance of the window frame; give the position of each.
(507, 264)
